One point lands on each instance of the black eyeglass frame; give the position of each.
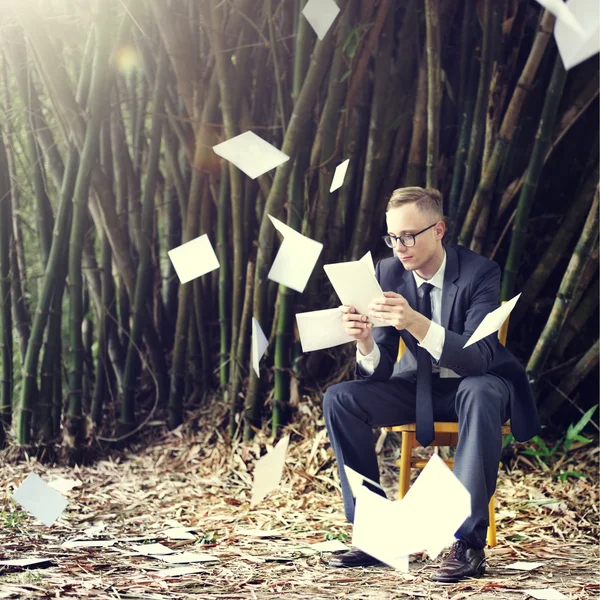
(389, 238)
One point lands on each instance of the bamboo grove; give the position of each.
(109, 111)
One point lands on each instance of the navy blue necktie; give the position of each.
(425, 433)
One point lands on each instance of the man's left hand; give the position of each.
(393, 309)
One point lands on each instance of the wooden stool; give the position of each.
(446, 434)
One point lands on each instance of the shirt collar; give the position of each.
(437, 280)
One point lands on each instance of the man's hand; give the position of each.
(393, 309)
(358, 327)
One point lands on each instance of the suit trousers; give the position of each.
(480, 404)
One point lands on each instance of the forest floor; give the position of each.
(195, 478)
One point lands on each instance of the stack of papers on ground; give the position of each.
(296, 258)
(251, 154)
(39, 499)
(268, 471)
(194, 259)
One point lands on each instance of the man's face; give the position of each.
(406, 219)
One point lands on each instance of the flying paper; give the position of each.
(251, 154)
(39, 499)
(356, 286)
(493, 321)
(574, 46)
(339, 175)
(321, 14)
(296, 258)
(268, 471)
(321, 329)
(561, 11)
(259, 345)
(356, 480)
(194, 259)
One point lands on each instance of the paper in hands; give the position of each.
(339, 175)
(356, 286)
(39, 499)
(268, 471)
(296, 258)
(251, 154)
(259, 345)
(321, 329)
(368, 259)
(576, 46)
(321, 14)
(194, 259)
(493, 321)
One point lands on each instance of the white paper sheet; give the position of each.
(194, 259)
(39, 499)
(321, 14)
(259, 345)
(493, 321)
(180, 533)
(152, 549)
(356, 286)
(546, 594)
(187, 557)
(268, 471)
(321, 329)
(368, 259)
(88, 543)
(573, 46)
(64, 486)
(25, 562)
(251, 154)
(296, 258)
(378, 528)
(339, 176)
(561, 11)
(524, 566)
(177, 571)
(355, 480)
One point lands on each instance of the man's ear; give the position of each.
(440, 229)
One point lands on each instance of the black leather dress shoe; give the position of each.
(462, 561)
(353, 558)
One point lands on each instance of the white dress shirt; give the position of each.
(433, 341)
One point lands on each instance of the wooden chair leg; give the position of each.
(491, 532)
(408, 438)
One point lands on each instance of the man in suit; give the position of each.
(435, 296)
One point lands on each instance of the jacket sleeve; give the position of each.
(477, 358)
(387, 338)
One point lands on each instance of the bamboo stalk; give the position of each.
(434, 80)
(222, 248)
(414, 167)
(553, 327)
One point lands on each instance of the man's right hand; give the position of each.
(358, 327)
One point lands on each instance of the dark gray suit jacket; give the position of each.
(471, 291)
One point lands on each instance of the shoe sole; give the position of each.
(480, 573)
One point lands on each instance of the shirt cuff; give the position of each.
(367, 363)
(433, 342)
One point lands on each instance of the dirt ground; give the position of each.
(197, 479)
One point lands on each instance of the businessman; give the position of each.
(435, 296)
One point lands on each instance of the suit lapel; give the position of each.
(450, 288)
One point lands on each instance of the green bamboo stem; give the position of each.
(415, 167)
(507, 129)
(532, 177)
(222, 248)
(434, 79)
(552, 329)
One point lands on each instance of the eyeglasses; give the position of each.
(407, 240)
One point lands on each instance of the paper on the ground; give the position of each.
(63, 486)
(88, 543)
(493, 321)
(321, 329)
(378, 528)
(152, 549)
(442, 519)
(561, 11)
(321, 14)
(25, 562)
(339, 176)
(524, 566)
(180, 533)
(187, 557)
(177, 571)
(39, 499)
(368, 259)
(194, 259)
(546, 594)
(574, 47)
(268, 471)
(259, 345)
(251, 154)
(296, 258)
(355, 480)
(356, 286)
(329, 546)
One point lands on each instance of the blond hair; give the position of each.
(428, 200)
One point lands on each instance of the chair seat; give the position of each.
(438, 427)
